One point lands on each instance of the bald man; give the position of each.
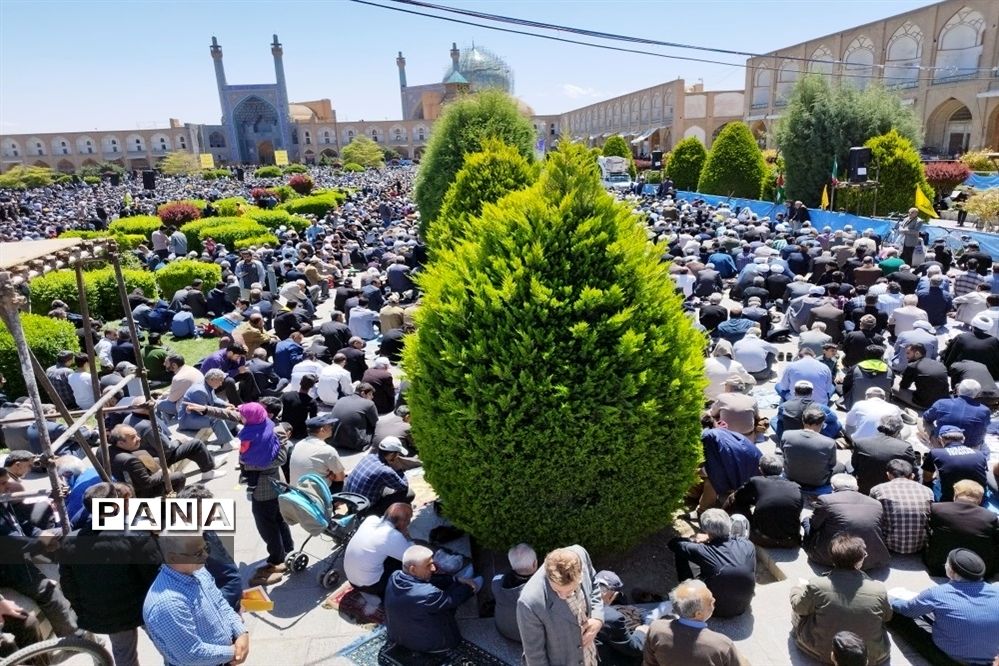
(687, 640)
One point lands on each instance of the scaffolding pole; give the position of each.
(88, 339)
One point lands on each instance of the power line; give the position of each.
(642, 40)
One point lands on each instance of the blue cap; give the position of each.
(949, 430)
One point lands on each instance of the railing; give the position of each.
(903, 85)
(953, 78)
(759, 105)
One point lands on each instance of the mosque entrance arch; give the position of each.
(265, 152)
(257, 130)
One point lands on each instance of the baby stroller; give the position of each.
(320, 513)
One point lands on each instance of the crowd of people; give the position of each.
(848, 413)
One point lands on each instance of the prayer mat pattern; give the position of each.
(370, 651)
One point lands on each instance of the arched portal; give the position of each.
(265, 152)
(256, 123)
(948, 128)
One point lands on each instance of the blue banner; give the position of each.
(983, 181)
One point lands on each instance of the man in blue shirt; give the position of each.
(182, 324)
(730, 460)
(964, 614)
(954, 462)
(186, 616)
(287, 354)
(964, 411)
(376, 478)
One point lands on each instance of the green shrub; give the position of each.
(178, 213)
(295, 168)
(191, 230)
(215, 174)
(257, 241)
(230, 207)
(268, 172)
(61, 179)
(685, 164)
(142, 225)
(228, 234)
(92, 180)
(978, 160)
(618, 147)
(653, 177)
(102, 290)
(556, 289)
(460, 129)
(101, 169)
(353, 167)
(272, 219)
(363, 151)
(26, 177)
(315, 204)
(179, 274)
(197, 203)
(285, 193)
(486, 177)
(46, 337)
(125, 241)
(899, 172)
(735, 166)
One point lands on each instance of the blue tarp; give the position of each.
(982, 181)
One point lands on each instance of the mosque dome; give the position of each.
(484, 69)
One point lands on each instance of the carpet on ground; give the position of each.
(373, 650)
(354, 605)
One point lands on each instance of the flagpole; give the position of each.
(832, 198)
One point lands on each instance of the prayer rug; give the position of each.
(352, 603)
(372, 650)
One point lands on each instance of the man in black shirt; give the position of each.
(297, 407)
(773, 505)
(356, 364)
(929, 377)
(336, 334)
(287, 322)
(872, 454)
(712, 314)
(978, 345)
(969, 369)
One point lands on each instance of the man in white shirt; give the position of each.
(103, 349)
(864, 417)
(969, 305)
(314, 454)
(902, 319)
(376, 549)
(334, 381)
(309, 365)
(81, 383)
(184, 377)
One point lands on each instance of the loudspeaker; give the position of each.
(240, 174)
(149, 180)
(115, 179)
(657, 159)
(859, 159)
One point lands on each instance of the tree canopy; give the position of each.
(734, 166)
(363, 151)
(686, 162)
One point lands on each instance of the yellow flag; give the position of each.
(924, 205)
(825, 198)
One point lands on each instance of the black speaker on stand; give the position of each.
(657, 159)
(859, 159)
(115, 179)
(149, 179)
(240, 174)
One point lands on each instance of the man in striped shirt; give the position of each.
(907, 507)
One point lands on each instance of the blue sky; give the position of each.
(74, 66)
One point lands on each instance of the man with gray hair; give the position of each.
(907, 507)
(846, 510)
(871, 454)
(964, 411)
(809, 456)
(204, 394)
(736, 409)
(687, 640)
(726, 565)
(506, 589)
(865, 416)
(774, 505)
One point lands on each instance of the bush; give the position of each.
(985, 205)
(945, 176)
(26, 177)
(978, 160)
(301, 183)
(653, 177)
(267, 172)
(284, 193)
(231, 207)
(46, 337)
(353, 167)
(92, 180)
(460, 130)
(522, 436)
(686, 162)
(179, 163)
(363, 151)
(125, 241)
(735, 166)
(316, 204)
(215, 174)
(486, 177)
(899, 172)
(272, 219)
(179, 274)
(228, 234)
(197, 203)
(295, 168)
(141, 225)
(101, 169)
(178, 213)
(257, 241)
(616, 146)
(102, 290)
(192, 229)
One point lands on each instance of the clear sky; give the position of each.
(110, 65)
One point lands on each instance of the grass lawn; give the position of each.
(192, 349)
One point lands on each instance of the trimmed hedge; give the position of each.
(102, 290)
(268, 172)
(735, 166)
(301, 183)
(142, 225)
(179, 274)
(197, 203)
(285, 193)
(215, 174)
(46, 337)
(125, 241)
(192, 230)
(295, 168)
(178, 213)
(353, 167)
(230, 207)
(685, 163)
(556, 289)
(257, 241)
(229, 234)
(272, 219)
(316, 204)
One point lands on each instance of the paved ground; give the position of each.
(300, 631)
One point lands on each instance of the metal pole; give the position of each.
(102, 471)
(10, 299)
(103, 400)
(88, 340)
(141, 372)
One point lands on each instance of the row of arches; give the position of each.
(644, 110)
(88, 145)
(958, 53)
(310, 156)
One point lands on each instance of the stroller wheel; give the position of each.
(330, 578)
(297, 562)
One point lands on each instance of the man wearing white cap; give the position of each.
(976, 345)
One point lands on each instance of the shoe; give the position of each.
(263, 578)
(227, 447)
(212, 474)
(276, 568)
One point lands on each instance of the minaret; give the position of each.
(228, 126)
(455, 55)
(400, 62)
(282, 102)
(217, 57)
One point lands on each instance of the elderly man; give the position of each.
(358, 418)
(809, 456)
(232, 361)
(376, 550)
(377, 478)
(756, 355)
(773, 505)
(963, 411)
(725, 564)
(902, 319)
(735, 409)
(362, 320)
(906, 504)
(956, 621)
(204, 394)
(954, 462)
(254, 334)
(963, 523)
(922, 332)
(380, 378)
(506, 589)
(844, 599)
(865, 415)
(560, 611)
(789, 412)
(315, 455)
(185, 615)
(808, 368)
(687, 639)
(137, 467)
(846, 510)
(420, 606)
(872, 454)
(334, 381)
